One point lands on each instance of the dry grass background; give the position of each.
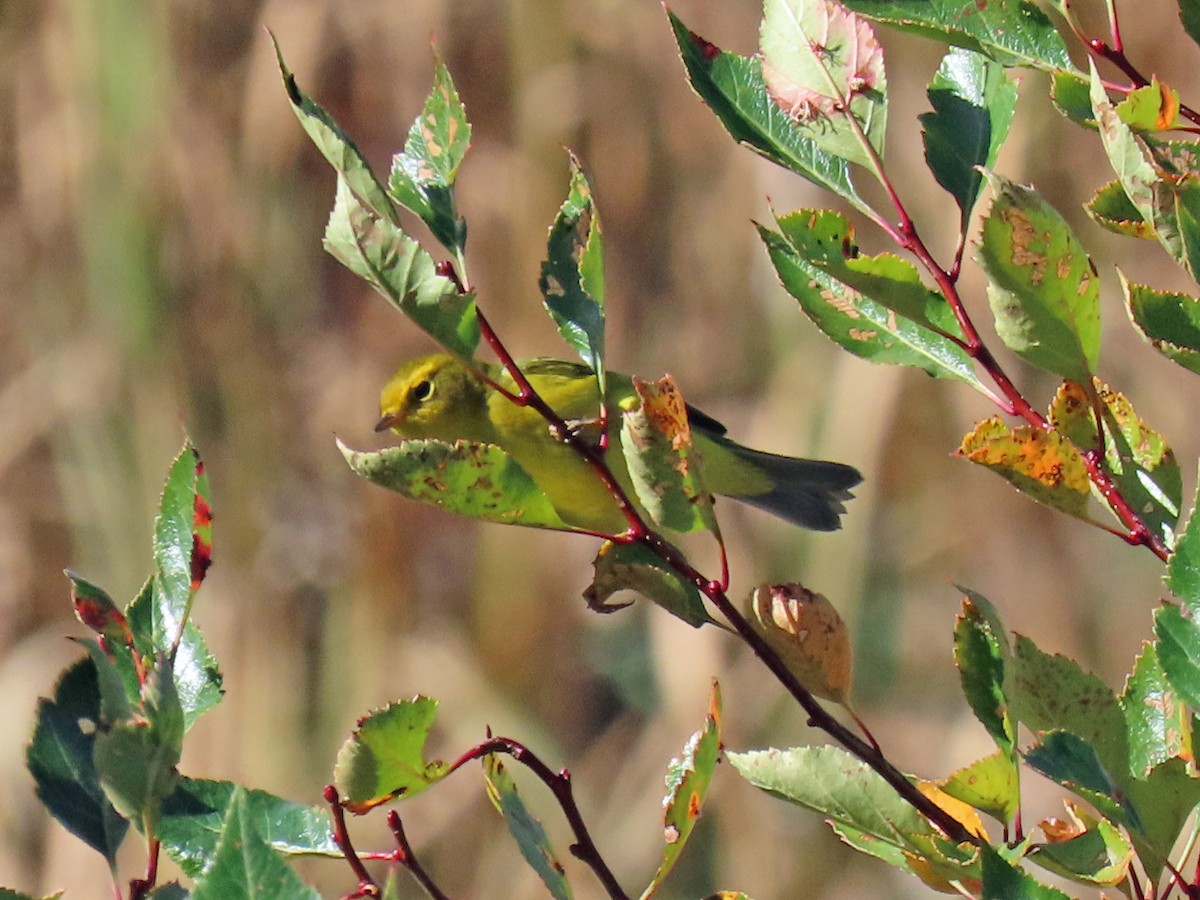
(160, 221)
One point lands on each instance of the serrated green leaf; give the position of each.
(1157, 721)
(1100, 856)
(1004, 880)
(244, 865)
(530, 835)
(59, 757)
(1047, 692)
(1012, 32)
(375, 249)
(862, 326)
(1042, 286)
(1168, 320)
(191, 823)
(822, 65)
(688, 779)
(1069, 760)
(973, 105)
(336, 146)
(197, 676)
(1178, 638)
(1070, 93)
(634, 567)
(422, 177)
(733, 87)
(834, 784)
(477, 480)
(663, 463)
(572, 277)
(1183, 568)
(991, 784)
(980, 660)
(1138, 458)
(1111, 209)
(383, 758)
(1165, 800)
(181, 553)
(1042, 465)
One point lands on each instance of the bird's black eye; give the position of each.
(422, 391)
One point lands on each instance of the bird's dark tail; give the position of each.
(807, 492)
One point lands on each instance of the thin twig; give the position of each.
(366, 884)
(405, 856)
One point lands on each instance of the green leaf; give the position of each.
(182, 538)
(662, 460)
(1100, 856)
(688, 779)
(477, 480)
(197, 676)
(1042, 286)
(1003, 880)
(1157, 721)
(1189, 15)
(572, 277)
(193, 818)
(336, 146)
(635, 567)
(991, 784)
(1042, 465)
(528, 831)
(1069, 760)
(1111, 208)
(59, 757)
(973, 105)
(136, 759)
(822, 65)
(1012, 32)
(1138, 458)
(244, 865)
(117, 697)
(422, 178)
(383, 758)
(862, 326)
(1169, 321)
(980, 658)
(836, 785)
(1178, 638)
(375, 249)
(1070, 93)
(733, 87)
(1152, 107)
(1183, 568)
(1164, 800)
(1047, 692)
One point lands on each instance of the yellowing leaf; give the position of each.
(963, 813)
(808, 634)
(1042, 464)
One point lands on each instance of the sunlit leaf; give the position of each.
(808, 634)
(1110, 208)
(1159, 723)
(980, 656)
(1168, 320)
(991, 784)
(1154, 107)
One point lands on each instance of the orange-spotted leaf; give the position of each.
(808, 634)
(1138, 457)
(991, 785)
(1042, 464)
(1154, 107)
(688, 780)
(662, 460)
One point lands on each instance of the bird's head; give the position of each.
(434, 397)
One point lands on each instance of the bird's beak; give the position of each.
(390, 420)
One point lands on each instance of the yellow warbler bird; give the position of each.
(438, 397)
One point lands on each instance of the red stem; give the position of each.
(405, 856)
(366, 884)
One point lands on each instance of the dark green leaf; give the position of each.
(973, 105)
(634, 567)
(1183, 568)
(1179, 651)
(383, 758)
(244, 865)
(528, 831)
(572, 277)
(1012, 32)
(862, 326)
(117, 697)
(734, 89)
(194, 815)
(1042, 286)
(374, 248)
(1110, 208)
(422, 178)
(1100, 856)
(1189, 15)
(980, 659)
(335, 145)
(477, 480)
(1169, 321)
(1071, 761)
(59, 758)
(1003, 880)
(1164, 801)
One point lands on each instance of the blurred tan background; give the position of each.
(160, 223)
